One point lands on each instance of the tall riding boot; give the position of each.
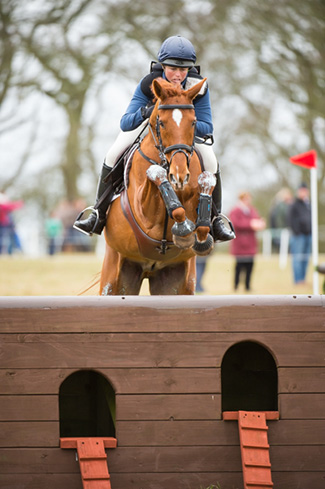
(96, 221)
(220, 232)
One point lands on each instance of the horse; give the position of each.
(161, 220)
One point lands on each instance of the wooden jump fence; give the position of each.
(158, 373)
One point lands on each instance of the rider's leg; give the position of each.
(95, 224)
(220, 232)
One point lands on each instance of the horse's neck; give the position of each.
(143, 194)
(148, 146)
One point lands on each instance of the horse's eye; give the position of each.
(161, 124)
(194, 123)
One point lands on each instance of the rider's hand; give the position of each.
(146, 112)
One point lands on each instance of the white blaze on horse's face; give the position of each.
(177, 116)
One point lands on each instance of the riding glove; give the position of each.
(146, 112)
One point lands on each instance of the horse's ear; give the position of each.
(195, 90)
(156, 87)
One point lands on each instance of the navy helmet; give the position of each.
(177, 51)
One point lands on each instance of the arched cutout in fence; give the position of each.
(249, 379)
(86, 405)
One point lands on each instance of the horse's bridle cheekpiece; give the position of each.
(176, 148)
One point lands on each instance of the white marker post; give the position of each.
(309, 160)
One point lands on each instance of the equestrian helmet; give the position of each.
(177, 51)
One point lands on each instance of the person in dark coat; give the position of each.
(301, 239)
(246, 222)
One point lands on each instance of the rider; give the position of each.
(176, 60)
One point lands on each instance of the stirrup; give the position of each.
(228, 221)
(81, 214)
(231, 227)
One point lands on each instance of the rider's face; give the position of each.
(175, 75)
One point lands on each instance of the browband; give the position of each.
(175, 106)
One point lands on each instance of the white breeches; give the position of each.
(210, 161)
(124, 139)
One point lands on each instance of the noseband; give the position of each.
(175, 148)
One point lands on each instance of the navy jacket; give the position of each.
(133, 118)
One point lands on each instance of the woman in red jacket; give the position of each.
(246, 222)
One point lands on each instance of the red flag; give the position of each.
(307, 160)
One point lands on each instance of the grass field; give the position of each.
(70, 274)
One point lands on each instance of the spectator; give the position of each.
(73, 240)
(279, 218)
(54, 231)
(8, 235)
(201, 262)
(246, 221)
(300, 225)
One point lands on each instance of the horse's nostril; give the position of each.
(172, 178)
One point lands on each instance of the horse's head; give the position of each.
(175, 122)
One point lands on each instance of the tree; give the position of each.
(265, 66)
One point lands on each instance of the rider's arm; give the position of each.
(133, 117)
(203, 114)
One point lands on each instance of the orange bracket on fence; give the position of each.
(92, 459)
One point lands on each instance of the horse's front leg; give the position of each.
(204, 242)
(183, 228)
(119, 276)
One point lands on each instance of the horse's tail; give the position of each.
(95, 281)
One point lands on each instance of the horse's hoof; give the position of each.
(185, 242)
(204, 248)
(184, 228)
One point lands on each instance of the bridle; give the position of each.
(174, 148)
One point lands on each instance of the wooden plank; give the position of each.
(29, 408)
(176, 433)
(305, 379)
(150, 380)
(46, 433)
(154, 338)
(192, 480)
(124, 380)
(40, 481)
(55, 460)
(302, 406)
(38, 460)
(213, 433)
(29, 434)
(305, 350)
(168, 407)
(224, 313)
(296, 432)
(294, 480)
(282, 480)
(297, 458)
(225, 480)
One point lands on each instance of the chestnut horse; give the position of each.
(161, 221)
